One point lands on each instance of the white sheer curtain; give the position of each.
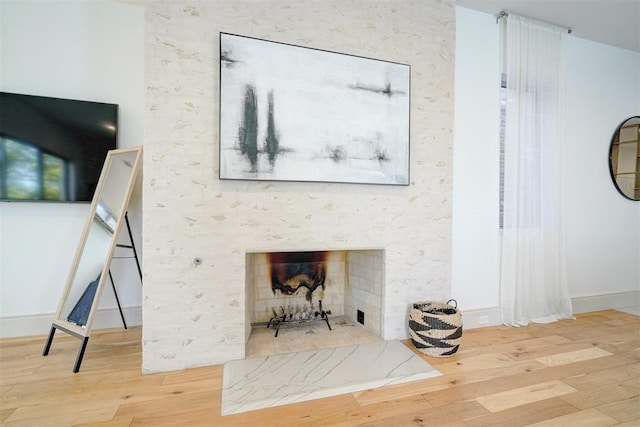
(533, 286)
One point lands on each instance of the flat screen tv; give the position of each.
(53, 149)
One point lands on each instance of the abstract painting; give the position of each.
(291, 113)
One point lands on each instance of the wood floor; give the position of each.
(583, 372)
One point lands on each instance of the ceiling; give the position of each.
(612, 22)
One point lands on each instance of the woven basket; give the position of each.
(436, 327)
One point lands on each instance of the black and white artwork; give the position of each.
(291, 113)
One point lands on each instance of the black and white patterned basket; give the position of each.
(436, 327)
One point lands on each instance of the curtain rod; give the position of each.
(505, 14)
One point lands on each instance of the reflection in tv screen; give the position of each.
(53, 149)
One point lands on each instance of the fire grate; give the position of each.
(298, 315)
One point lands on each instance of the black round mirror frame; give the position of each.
(632, 193)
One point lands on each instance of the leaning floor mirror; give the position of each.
(90, 267)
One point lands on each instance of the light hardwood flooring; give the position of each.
(583, 372)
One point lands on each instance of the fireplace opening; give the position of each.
(295, 272)
(321, 291)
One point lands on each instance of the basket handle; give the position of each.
(455, 302)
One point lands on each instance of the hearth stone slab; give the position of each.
(265, 382)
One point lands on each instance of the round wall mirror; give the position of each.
(624, 158)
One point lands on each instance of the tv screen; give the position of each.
(53, 149)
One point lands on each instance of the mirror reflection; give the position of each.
(96, 248)
(624, 158)
(89, 269)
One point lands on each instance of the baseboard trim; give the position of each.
(483, 317)
(605, 302)
(40, 324)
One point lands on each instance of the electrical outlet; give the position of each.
(483, 320)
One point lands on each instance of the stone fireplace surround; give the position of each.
(196, 315)
(354, 282)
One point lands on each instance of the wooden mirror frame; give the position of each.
(60, 320)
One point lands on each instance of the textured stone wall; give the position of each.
(194, 315)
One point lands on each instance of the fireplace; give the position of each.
(299, 284)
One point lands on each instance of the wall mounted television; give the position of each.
(53, 149)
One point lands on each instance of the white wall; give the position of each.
(79, 50)
(602, 228)
(476, 157)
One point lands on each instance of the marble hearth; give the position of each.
(350, 284)
(267, 382)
